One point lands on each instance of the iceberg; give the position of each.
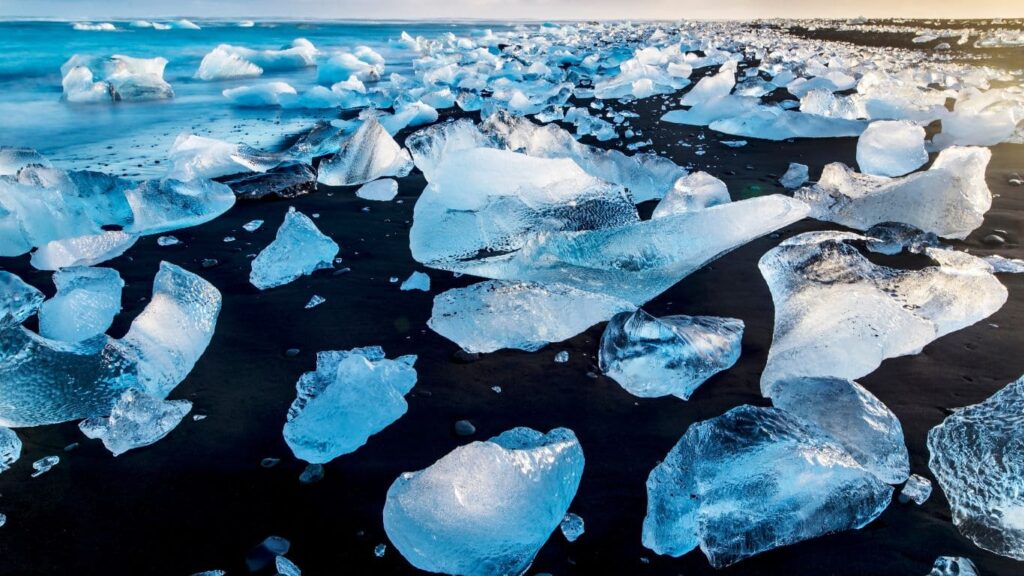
(1005, 265)
(10, 448)
(711, 87)
(364, 63)
(891, 148)
(299, 249)
(486, 508)
(692, 192)
(727, 486)
(653, 357)
(369, 154)
(894, 237)
(136, 420)
(977, 456)
(572, 527)
(84, 306)
(351, 396)
(18, 300)
(288, 180)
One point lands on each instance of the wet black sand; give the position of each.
(199, 499)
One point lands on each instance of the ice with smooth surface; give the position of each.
(18, 299)
(692, 192)
(136, 420)
(710, 88)
(728, 486)
(87, 250)
(492, 315)
(299, 249)
(977, 456)
(193, 156)
(891, 148)
(416, 281)
(851, 416)
(486, 508)
(351, 396)
(367, 155)
(949, 199)
(383, 190)
(85, 304)
(838, 314)
(10, 448)
(259, 95)
(652, 357)
(795, 176)
(916, 490)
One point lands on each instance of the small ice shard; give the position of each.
(312, 474)
(86, 250)
(562, 357)
(136, 420)
(168, 241)
(13, 159)
(379, 550)
(728, 487)
(572, 527)
(383, 190)
(1005, 265)
(838, 314)
(288, 180)
(417, 281)
(43, 465)
(977, 456)
(949, 199)
(286, 567)
(916, 490)
(852, 417)
(653, 357)
(692, 192)
(298, 249)
(18, 300)
(367, 155)
(265, 553)
(891, 148)
(85, 304)
(351, 396)
(10, 448)
(252, 225)
(315, 301)
(953, 566)
(492, 315)
(486, 508)
(894, 237)
(795, 176)
(3, 520)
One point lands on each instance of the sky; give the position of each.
(511, 9)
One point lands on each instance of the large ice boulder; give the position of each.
(85, 304)
(485, 509)
(193, 156)
(227, 61)
(891, 148)
(299, 249)
(367, 155)
(119, 77)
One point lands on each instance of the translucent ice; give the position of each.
(795, 176)
(227, 61)
(485, 509)
(417, 281)
(572, 527)
(692, 192)
(85, 304)
(136, 420)
(977, 456)
(953, 566)
(369, 154)
(14, 159)
(87, 250)
(1006, 265)
(194, 156)
(710, 88)
(18, 300)
(895, 237)
(10, 448)
(917, 489)
(838, 314)
(259, 95)
(891, 148)
(652, 357)
(383, 190)
(298, 249)
(774, 123)
(351, 396)
(119, 77)
(492, 315)
(949, 199)
(728, 487)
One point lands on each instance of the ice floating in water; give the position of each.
(18, 299)
(728, 487)
(299, 249)
(159, 350)
(194, 156)
(891, 148)
(652, 357)
(916, 490)
(369, 154)
(485, 509)
(136, 420)
(227, 61)
(364, 63)
(837, 314)
(492, 315)
(417, 281)
(383, 190)
(977, 455)
(10, 448)
(259, 95)
(953, 566)
(13, 159)
(692, 192)
(85, 250)
(351, 396)
(86, 302)
(119, 78)
(795, 176)
(949, 199)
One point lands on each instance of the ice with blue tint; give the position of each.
(18, 299)
(13, 159)
(953, 566)
(728, 487)
(795, 176)
(774, 123)
(916, 490)
(383, 190)
(87, 250)
(417, 281)
(367, 155)
(977, 456)
(10, 448)
(299, 249)
(838, 314)
(486, 508)
(119, 77)
(84, 306)
(891, 148)
(572, 527)
(46, 381)
(136, 420)
(692, 192)
(652, 357)
(227, 61)
(352, 395)
(266, 94)
(193, 156)
(711, 87)
(492, 315)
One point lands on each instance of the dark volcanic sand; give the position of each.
(199, 499)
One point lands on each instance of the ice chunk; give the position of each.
(299, 249)
(953, 566)
(652, 357)
(288, 180)
(795, 176)
(894, 237)
(136, 420)
(949, 199)
(891, 148)
(45, 381)
(44, 465)
(13, 159)
(774, 123)
(364, 64)
(314, 301)
(222, 63)
(853, 417)
(87, 250)
(383, 190)
(492, 315)
(692, 192)
(227, 61)
(917, 489)
(10, 448)
(286, 567)
(18, 300)
(417, 281)
(728, 487)
(837, 314)
(1006, 265)
(85, 304)
(252, 225)
(977, 456)
(169, 204)
(194, 156)
(710, 88)
(351, 396)
(485, 509)
(119, 78)
(572, 527)
(369, 154)
(259, 95)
